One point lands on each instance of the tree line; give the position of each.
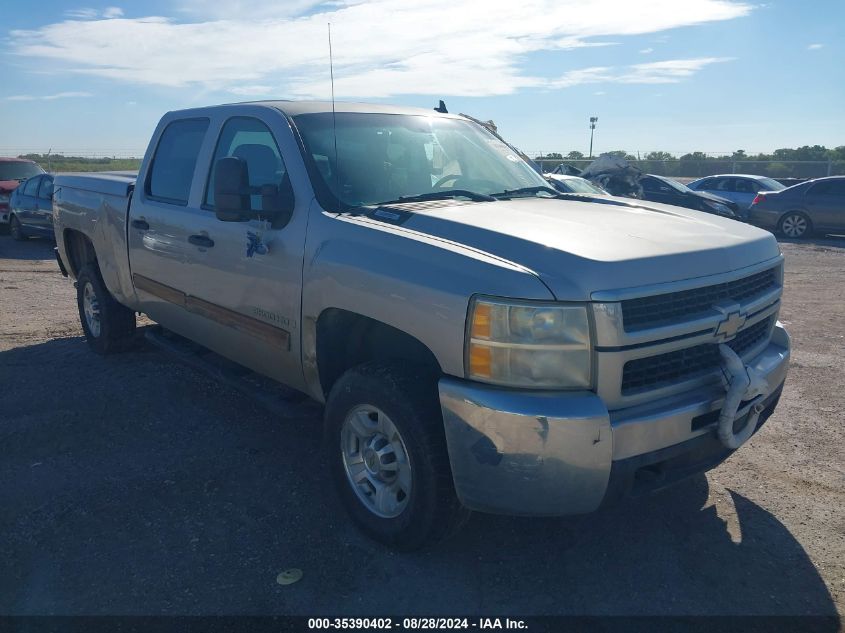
(784, 162)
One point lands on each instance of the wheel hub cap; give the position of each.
(376, 461)
(91, 308)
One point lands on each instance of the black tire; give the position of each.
(408, 396)
(16, 230)
(791, 223)
(116, 322)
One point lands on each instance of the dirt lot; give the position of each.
(134, 485)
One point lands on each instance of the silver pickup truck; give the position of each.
(480, 341)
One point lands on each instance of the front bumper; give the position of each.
(557, 453)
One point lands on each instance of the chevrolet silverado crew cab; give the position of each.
(480, 341)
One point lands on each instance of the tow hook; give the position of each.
(744, 383)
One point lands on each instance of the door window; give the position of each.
(251, 141)
(828, 188)
(744, 185)
(45, 192)
(174, 161)
(723, 184)
(31, 186)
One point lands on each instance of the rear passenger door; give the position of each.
(44, 204)
(744, 191)
(161, 215)
(25, 208)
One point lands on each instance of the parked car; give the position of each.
(813, 206)
(31, 208)
(12, 172)
(480, 341)
(574, 184)
(668, 191)
(738, 188)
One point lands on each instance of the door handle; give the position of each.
(140, 224)
(201, 240)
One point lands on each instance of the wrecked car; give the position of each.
(480, 341)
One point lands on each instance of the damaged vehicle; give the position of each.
(480, 340)
(621, 178)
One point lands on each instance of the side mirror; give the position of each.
(231, 189)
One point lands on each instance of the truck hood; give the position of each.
(581, 247)
(8, 186)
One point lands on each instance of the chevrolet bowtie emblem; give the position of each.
(728, 327)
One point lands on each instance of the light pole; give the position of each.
(593, 121)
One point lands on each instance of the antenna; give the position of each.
(334, 124)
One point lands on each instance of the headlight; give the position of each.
(529, 344)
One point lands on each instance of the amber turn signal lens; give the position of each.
(480, 361)
(481, 321)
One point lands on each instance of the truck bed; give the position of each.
(96, 205)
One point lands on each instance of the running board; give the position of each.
(280, 400)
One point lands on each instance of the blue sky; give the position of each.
(674, 75)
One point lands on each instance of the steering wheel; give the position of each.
(445, 179)
(462, 182)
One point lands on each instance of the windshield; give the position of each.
(386, 157)
(771, 185)
(14, 170)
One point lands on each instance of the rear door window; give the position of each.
(174, 161)
(746, 185)
(45, 192)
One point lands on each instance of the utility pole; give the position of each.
(593, 121)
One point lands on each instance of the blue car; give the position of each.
(738, 188)
(31, 208)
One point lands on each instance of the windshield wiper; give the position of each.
(527, 191)
(443, 195)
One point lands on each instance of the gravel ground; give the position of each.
(134, 485)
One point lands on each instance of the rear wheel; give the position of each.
(387, 451)
(795, 225)
(109, 327)
(16, 229)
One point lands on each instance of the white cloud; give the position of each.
(665, 72)
(646, 51)
(92, 14)
(815, 47)
(82, 14)
(381, 47)
(53, 97)
(251, 90)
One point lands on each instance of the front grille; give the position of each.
(658, 371)
(646, 312)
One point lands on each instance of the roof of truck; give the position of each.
(294, 108)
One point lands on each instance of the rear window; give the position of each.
(174, 161)
(772, 185)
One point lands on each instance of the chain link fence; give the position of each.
(691, 169)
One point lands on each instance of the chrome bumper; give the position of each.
(552, 453)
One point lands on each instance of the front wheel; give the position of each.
(795, 225)
(387, 451)
(16, 229)
(109, 327)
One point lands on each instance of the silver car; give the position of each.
(738, 188)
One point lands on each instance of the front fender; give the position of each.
(413, 282)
